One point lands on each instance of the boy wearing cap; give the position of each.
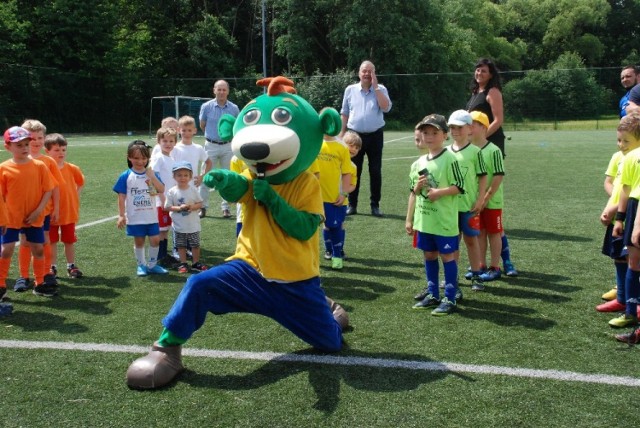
(26, 185)
(183, 201)
(491, 229)
(475, 182)
(436, 180)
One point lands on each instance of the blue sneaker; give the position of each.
(445, 308)
(509, 270)
(492, 274)
(428, 302)
(21, 285)
(469, 275)
(158, 270)
(142, 271)
(5, 309)
(477, 284)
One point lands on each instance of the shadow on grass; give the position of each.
(76, 298)
(504, 315)
(42, 321)
(351, 262)
(376, 372)
(213, 258)
(539, 235)
(541, 281)
(340, 289)
(507, 291)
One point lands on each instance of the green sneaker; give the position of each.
(624, 320)
(336, 263)
(428, 302)
(445, 308)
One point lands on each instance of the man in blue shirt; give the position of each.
(218, 151)
(628, 78)
(363, 108)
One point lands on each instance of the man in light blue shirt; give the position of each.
(363, 108)
(218, 151)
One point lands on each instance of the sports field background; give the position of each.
(542, 320)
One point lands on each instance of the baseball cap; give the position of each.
(15, 134)
(182, 165)
(478, 116)
(436, 120)
(460, 118)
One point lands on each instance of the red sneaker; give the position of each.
(611, 306)
(631, 338)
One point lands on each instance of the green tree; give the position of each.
(566, 91)
(552, 27)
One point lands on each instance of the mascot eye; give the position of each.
(281, 116)
(251, 117)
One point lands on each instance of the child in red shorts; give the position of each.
(64, 229)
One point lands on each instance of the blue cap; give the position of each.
(181, 165)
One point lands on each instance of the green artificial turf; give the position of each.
(544, 319)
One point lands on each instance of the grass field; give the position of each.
(529, 352)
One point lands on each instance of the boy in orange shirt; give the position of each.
(64, 228)
(26, 185)
(51, 212)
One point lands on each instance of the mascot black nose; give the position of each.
(255, 151)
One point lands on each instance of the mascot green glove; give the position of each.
(275, 268)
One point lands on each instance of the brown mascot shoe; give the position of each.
(339, 314)
(156, 369)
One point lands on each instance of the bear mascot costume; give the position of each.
(275, 268)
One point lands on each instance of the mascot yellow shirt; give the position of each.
(264, 245)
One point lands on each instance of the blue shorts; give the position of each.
(142, 230)
(442, 244)
(34, 235)
(235, 286)
(613, 247)
(469, 223)
(46, 226)
(334, 216)
(632, 208)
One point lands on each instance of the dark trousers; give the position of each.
(372, 144)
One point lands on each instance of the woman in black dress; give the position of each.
(486, 96)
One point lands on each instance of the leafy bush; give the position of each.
(566, 91)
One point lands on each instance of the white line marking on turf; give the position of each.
(93, 223)
(429, 366)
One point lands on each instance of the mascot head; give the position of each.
(278, 134)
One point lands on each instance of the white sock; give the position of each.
(153, 256)
(139, 253)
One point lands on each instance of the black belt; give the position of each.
(366, 133)
(220, 143)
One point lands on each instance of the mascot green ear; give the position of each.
(330, 121)
(225, 127)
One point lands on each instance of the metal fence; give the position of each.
(74, 103)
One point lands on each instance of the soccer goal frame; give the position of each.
(181, 105)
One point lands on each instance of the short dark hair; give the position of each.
(635, 68)
(54, 139)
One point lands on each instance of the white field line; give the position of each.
(426, 366)
(93, 223)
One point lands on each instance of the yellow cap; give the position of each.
(478, 116)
